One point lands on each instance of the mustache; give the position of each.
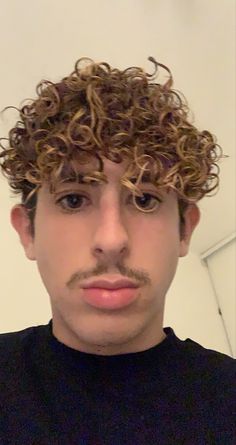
(140, 276)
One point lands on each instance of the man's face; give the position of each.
(106, 233)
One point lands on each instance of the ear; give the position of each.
(191, 219)
(21, 223)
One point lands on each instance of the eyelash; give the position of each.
(59, 202)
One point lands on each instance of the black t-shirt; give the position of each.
(175, 393)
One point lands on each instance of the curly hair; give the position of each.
(121, 115)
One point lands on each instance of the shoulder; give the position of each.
(214, 369)
(194, 356)
(17, 337)
(212, 380)
(207, 356)
(14, 344)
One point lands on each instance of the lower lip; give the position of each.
(109, 298)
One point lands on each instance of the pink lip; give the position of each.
(109, 298)
(110, 284)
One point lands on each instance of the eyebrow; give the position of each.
(79, 178)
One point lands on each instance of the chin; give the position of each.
(89, 332)
(115, 339)
(107, 338)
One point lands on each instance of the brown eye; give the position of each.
(71, 201)
(146, 199)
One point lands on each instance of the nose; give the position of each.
(111, 240)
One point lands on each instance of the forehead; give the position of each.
(113, 172)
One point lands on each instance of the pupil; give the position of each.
(73, 200)
(144, 198)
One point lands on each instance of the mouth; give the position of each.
(110, 299)
(110, 283)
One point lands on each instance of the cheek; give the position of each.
(159, 251)
(159, 235)
(60, 250)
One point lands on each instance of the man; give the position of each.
(109, 170)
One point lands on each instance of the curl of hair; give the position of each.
(98, 111)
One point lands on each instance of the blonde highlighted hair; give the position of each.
(99, 111)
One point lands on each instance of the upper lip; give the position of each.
(107, 284)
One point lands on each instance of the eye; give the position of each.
(142, 201)
(72, 201)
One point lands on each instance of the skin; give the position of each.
(107, 235)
